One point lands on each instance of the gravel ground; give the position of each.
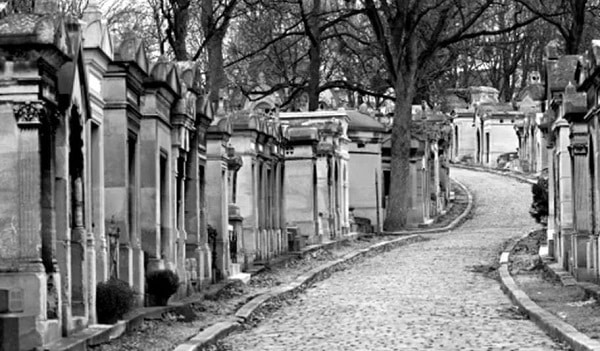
(169, 331)
(428, 295)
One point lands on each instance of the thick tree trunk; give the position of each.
(314, 54)
(215, 73)
(400, 182)
(180, 47)
(314, 77)
(573, 42)
(181, 19)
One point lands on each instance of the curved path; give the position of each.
(424, 296)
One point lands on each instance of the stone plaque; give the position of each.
(11, 300)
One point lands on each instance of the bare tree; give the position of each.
(567, 16)
(305, 47)
(411, 34)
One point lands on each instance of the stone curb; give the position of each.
(455, 223)
(548, 322)
(509, 174)
(220, 330)
(209, 335)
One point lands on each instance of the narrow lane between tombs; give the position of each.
(428, 295)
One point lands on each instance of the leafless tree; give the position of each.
(411, 34)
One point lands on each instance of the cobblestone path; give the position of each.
(424, 296)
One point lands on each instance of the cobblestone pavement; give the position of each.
(425, 296)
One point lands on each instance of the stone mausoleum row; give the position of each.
(113, 167)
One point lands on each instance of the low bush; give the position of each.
(114, 298)
(161, 285)
(539, 206)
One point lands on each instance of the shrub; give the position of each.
(114, 298)
(162, 284)
(539, 206)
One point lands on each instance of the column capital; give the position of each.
(578, 149)
(33, 114)
(28, 114)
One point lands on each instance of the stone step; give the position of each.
(93, 335)
(235, 268)
(243, 277)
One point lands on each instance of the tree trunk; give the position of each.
(573, 42)
(314, 77)
(215, 73)
(180, 30)
(314, 55)
(400, 182)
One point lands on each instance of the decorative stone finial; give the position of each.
(570, 89)
(534, 77)
(551, 50)
(261, 79)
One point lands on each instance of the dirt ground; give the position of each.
(570, 303)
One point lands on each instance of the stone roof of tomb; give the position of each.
(256, 121)
(536, 92)
(190, 74)
(500, 108)
(132, 49)
(361, 122)
(312, 115)
(303, 133)
(455, 100)
(164, 70)
(33, 28)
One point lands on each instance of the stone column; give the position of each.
(581, 192)
(192, 215)
(436, 179)
(180, 209)
(151, 160)
(551, 225)
(581, 187)
(282, 205)
(264, 249)
(322, 198)
(270, 190)
(28, 176)
(275, 224)
(63, 224)
(564, 192)
(246, 201)
(346, 193)
(203, 253)
(217, 201)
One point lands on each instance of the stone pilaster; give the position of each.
(551, 225)
(323, 199)
(582, 216)
(29, 117)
